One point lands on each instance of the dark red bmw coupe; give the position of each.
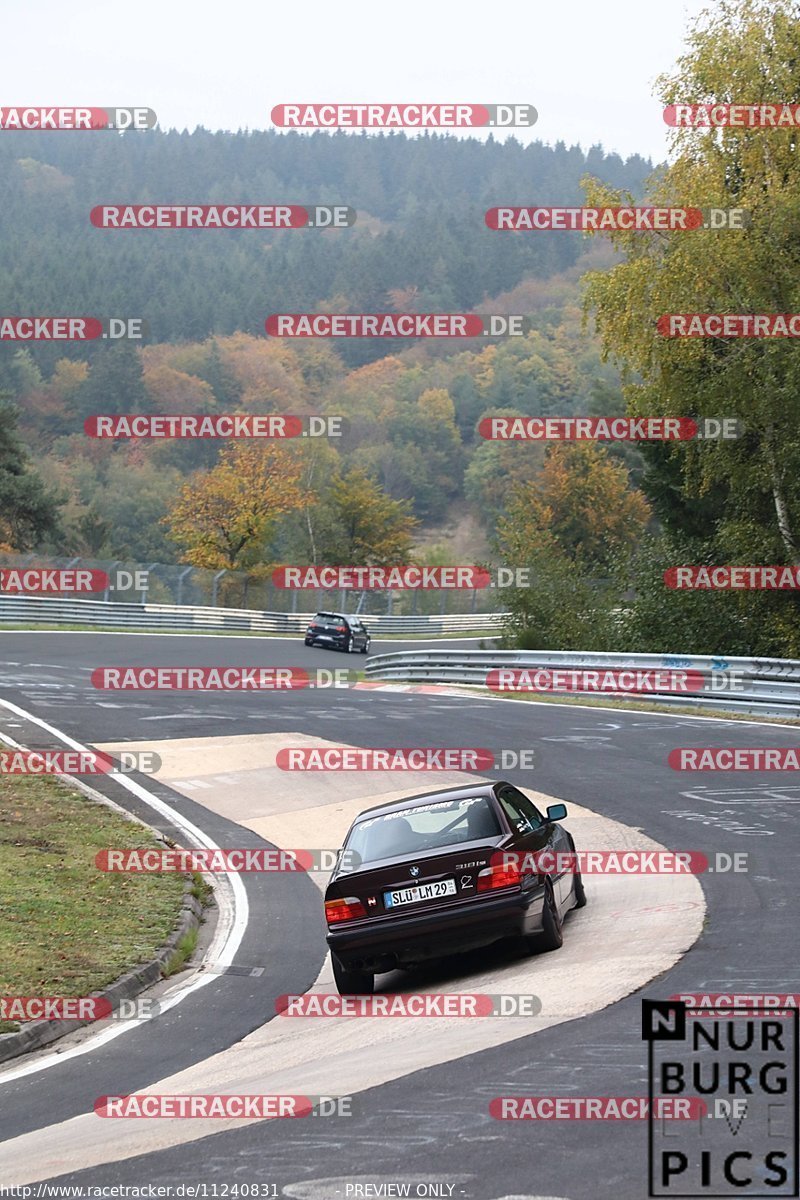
(445, 872)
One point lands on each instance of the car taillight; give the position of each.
(350, 909)
(502, 875)
(341, 629)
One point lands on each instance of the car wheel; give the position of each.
(309, 642)
(365, 647)
(352, 983)
(552, 935)
(349, 646)
(580, 891)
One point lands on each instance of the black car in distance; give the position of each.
(444, 872)
(337, 631)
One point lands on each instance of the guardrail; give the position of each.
(767, 686)
(42, 610)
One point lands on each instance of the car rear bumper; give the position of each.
(388, 942)
(337, 641)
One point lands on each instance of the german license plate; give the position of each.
(423, 891)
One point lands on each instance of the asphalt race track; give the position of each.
(431, 1124)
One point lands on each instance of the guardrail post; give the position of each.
(181, 578)
(146, 588)
(115, 563)
(217, 578)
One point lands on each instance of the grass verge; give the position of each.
(66, 928)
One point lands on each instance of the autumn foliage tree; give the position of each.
(584, 499)
(567, 528)
(225, 517)
(373, 529)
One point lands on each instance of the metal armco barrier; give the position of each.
(42, 610)
(766, 686)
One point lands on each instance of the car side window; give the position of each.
(522, 815)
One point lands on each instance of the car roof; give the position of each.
(454, 793)
(327, 612)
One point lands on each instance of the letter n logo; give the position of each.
(663, 1020)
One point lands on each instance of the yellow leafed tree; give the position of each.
(224, 517)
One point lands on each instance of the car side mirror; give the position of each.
(556, 812)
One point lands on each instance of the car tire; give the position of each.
(552, 935)
(309, 642)
(352, 983)
(365, 647)
(579, 890)
(348, 649)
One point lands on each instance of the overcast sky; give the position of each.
(587, 67)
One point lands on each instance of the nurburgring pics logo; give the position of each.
(420, 758)
(212, 425)
(727, 578)
(222, 216)
(748, 1138)
(619, 429)
(93, 117)
(744, 116)
(396, 325)
(403, 116)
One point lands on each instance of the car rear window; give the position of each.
(423, 827)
